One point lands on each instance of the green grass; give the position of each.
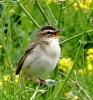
(18, 24)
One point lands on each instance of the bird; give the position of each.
(42, 55)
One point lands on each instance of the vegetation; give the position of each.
(73, 77)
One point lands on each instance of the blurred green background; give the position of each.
(17, 31)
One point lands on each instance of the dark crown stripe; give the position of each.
(47, 27)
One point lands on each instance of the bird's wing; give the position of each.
(26, 53)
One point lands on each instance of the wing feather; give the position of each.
(26, 53)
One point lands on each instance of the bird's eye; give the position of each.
(48, 32)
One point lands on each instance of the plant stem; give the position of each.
(42, 12)
(51, 12)
(32, 19)
(60, 14)
(63, 8)
(75, 36)
(82, 88)
(73, 66)
(81, 9)
(4, 94)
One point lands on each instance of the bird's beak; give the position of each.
(55, 33)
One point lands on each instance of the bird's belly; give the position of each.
(39, 63)
(40, 67)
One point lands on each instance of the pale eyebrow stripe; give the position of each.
(48, 30)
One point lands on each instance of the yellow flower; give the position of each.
(16, 78)
(76, 6)
(82, 71)
(75, 98)
(6, 78)
(84, 4)
(49, 1)
(90, 67)
(70, 95)
(12, 11)
(65, 64)
(0, 46)
(88, 2)
(66, 94)
(90, 51)
(89, 57)
(0, 83)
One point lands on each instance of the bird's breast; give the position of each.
(42, 60)
(53, 49)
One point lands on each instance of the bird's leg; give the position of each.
(39, 80)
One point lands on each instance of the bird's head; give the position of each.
(47, 33)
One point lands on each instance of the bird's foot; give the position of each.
(41, 81)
